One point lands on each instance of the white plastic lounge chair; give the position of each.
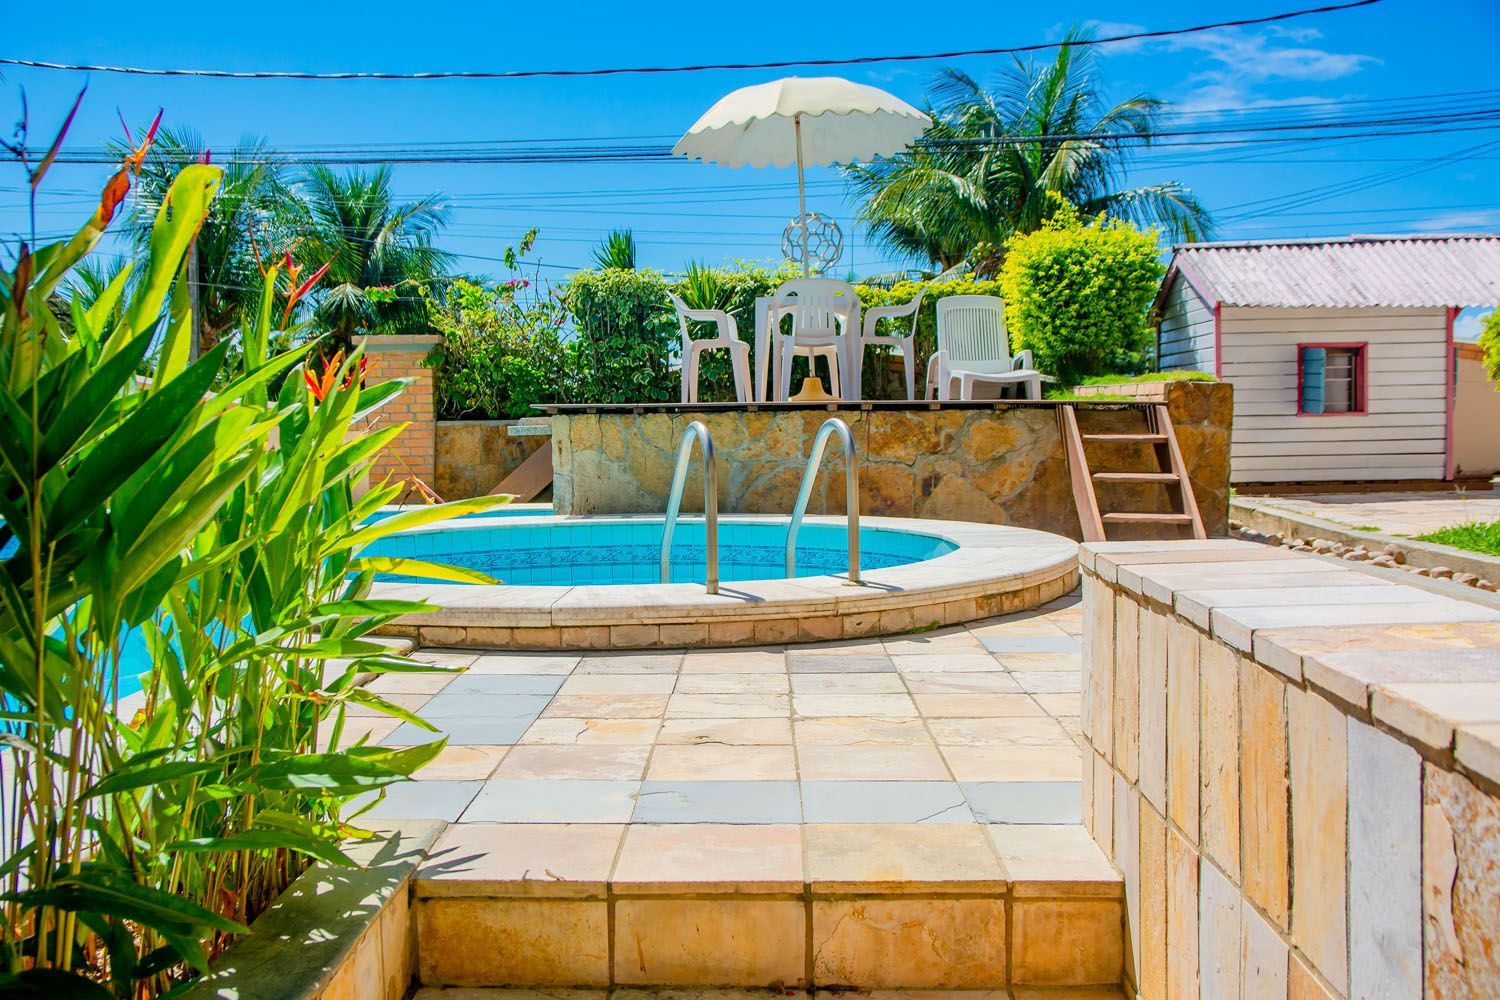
(728, 339)
(906, 342)
(822, 312)
(974, 349)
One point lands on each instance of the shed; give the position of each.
(1340, 351)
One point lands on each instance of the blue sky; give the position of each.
(684, 211)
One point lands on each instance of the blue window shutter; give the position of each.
(1314, 369)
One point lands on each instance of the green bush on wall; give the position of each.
(1077, 294)
(626, 337)
(1489, 342)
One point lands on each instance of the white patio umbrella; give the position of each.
(809, 121)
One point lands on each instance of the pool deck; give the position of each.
(899, 812)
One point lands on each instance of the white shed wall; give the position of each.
(1186, 339)
(1403, 436)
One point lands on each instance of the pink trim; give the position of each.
(1450, 376)
(1361, 382)
(1219, 343)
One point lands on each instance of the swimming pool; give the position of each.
(554, 552)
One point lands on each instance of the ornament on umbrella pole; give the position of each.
(824, 242)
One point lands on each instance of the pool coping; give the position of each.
(996, 569)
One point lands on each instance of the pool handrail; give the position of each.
(697, 430)
(831, 426)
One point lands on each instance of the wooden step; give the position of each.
(1127, 438)
(1135, 477)
(1129, 517)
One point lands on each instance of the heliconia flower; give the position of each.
(115, 190)
(299, 290)
(136, 157)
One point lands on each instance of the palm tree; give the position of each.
(251, 194)
(617, 250)
(993, 161)
(380, 253)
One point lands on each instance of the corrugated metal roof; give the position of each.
(1354, 272)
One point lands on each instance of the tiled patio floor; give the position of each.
(962, 726)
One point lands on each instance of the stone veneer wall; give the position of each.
(1295, 766)
(411, 453)
(994, 463)
(473, 456)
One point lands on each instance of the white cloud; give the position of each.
(1482, 220)
(1235, 67)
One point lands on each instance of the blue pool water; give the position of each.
(561, 553)
(541, 551)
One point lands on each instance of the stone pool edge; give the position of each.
(997, 569)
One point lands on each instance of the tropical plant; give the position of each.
(501, 352)
(253, 197)
(223, 532)
(617, 250)
(1077, 293)
(380, 252)
(992, 159)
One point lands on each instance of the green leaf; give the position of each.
(177, 221)
(119, 895)
(325, 771)
(422, 515)
(130, 444)
(369, 699)
(261, 839)
(420, 568)
(128, 779)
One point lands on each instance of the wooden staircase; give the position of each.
(1170, 472)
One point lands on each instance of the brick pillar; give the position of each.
(412, 453)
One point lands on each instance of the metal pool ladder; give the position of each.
(831, 426)
(698, 431)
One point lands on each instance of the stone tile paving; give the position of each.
(1414, 513)
(967, 725)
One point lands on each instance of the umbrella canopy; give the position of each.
(814, 120)
(840, 122)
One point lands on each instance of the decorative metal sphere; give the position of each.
(825, 242)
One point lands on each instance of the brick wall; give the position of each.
(1295, 765)
(412, 453)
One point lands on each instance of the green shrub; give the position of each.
(1489, 341)
(500, 354)
(1077, 294)
(624, 337)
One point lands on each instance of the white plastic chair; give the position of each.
(728, 338)
(822, 311)
(906, 342)
(974, 349)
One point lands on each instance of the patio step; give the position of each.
(1045, 908)
(1170, 474)
(1142, 517)
(1135, 477)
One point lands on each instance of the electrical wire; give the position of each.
(691, 68)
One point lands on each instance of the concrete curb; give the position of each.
(1273, 520)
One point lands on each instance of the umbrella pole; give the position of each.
(801, 197)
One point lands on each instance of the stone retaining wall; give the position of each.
(473, 456)
(996, 463)
(1295, 765)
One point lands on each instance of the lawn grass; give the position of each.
(1475, 536)
(1172, 376)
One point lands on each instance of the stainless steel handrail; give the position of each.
(698, 431)
(831, 426)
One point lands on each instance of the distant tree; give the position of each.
(1489, 341)
(380, 252)
(992, 159)
(616, 250)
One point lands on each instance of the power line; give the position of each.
(221, 74)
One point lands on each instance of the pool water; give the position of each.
(563, 553)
